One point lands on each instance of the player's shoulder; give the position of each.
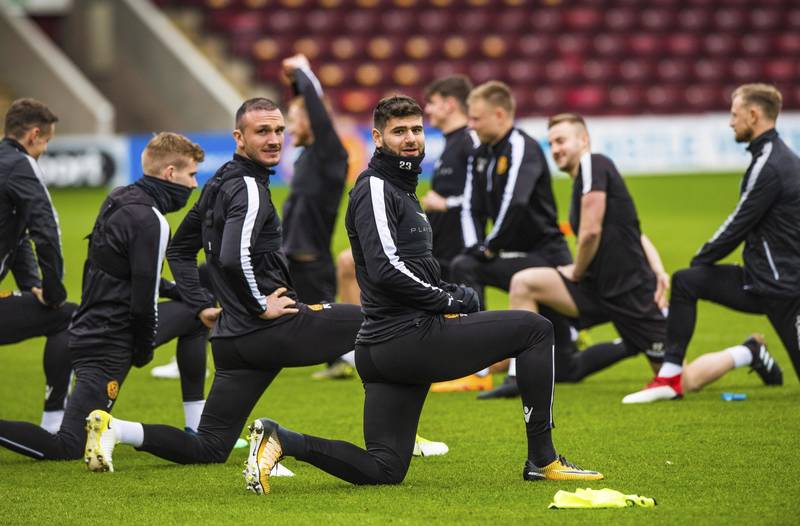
(521, 139)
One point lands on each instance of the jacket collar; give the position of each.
(253, 168)
(758, 143)
(15, 144)
(402, 172)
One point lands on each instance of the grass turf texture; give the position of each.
(704, 460)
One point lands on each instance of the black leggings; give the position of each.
(23, 317)
(100, 373)
(724, 284)
(314, 281)
(398, 373)
(245, 366)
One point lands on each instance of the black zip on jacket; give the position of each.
(509, 182)
(27, 214)
(237, 226)
(392, 248)
(122, 273)
(767, 219)
(309, 213)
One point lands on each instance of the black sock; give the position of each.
(540, 449)
(294, 444)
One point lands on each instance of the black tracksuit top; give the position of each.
(509, 183)
(391, 240)
(122, 273)
(449, 177)
(27, 213)
(237, 226)
(767, 219)
(309, 214)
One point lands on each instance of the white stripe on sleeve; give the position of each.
(244, 245)
(382, 224)
(468, 229)
(163, 239)
(314, 80)
(517, 152)
(37, 170)
(750, 184)
(586, 172)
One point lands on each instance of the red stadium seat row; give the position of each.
(599, 56)
(521, 21)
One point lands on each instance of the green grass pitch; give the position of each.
(706, 461)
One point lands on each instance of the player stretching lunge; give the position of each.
(27, 214)
(767, 220)
(118, 322)
(408, 312)
(262, 328)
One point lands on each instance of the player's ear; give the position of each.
(377, 139)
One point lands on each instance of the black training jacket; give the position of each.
(309, 214)
(767, 219)
(509, 183)
(449, 177)
(392, 248)
(27, 214)
(122, 273)
(237, 226)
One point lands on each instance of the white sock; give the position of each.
(741, 355)
(512, 367)
(350, 358)
(131, 433)
(192, 412)
(51, 421)
(483, 372)
(573, 333)
(670, 369)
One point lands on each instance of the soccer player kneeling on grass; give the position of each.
(409, 311)
(767, 220)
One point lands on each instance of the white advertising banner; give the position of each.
(86, 160)
(669, 144)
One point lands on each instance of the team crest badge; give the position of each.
(502, 165)
(319, 306)
(5, 293)
(112, 389)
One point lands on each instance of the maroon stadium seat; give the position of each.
(512, 20)
(596, 71)
(485, 70)
(729, 19)
(782, 70)
(700, 97)
(720, 44)
(626, 98)
(673, 70)
(545, 99)
(582, 18)
(589, 98)
(436, 21)
(524, 71)
(534, 45)
(645, 44)
(572, 44)
(620, 20)
(683, 44)
(693, 19)
(562, 70)
(398, 21)
(608, 44)
(789, 43)
(765, 19)
(323, 21)
(636, 70)
(283, 21)
(546, 20)
(664, 99)
(710, 70)
(656, 19)
(746, 69)
(756, 44)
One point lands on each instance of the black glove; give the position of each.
(142, 355)
(478, 252)
(169, 290)
(465, 299)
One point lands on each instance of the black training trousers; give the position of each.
(314, 281)
(245, 366)
(571, 365)
(724, 284)
(100, 373)
(397, 374)
(22, 317)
